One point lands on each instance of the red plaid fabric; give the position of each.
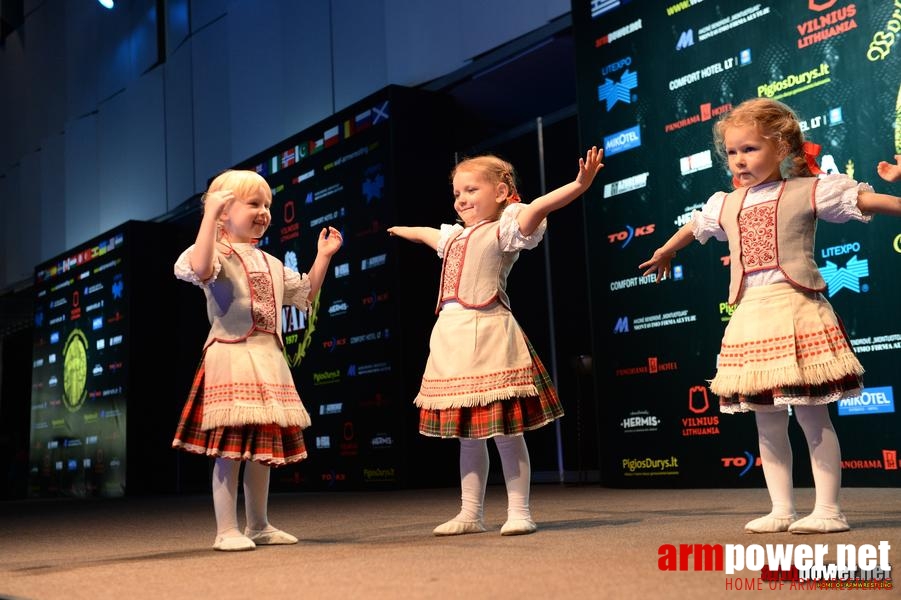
(503, 417)
(268, 444)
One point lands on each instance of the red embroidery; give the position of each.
(453, 262)
(757, 228)
(263, 301)
(829, 341)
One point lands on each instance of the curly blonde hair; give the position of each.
(774, 121)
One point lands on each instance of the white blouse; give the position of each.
(509, 236)
(297, 285)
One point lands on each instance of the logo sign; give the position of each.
(870, 402)
(696, 162)
(75, 370)
(621, 325)
(847, 277)
(627, 139)
(617, 34)
(686, 39)
(630, 232)
(745, 463)
(599, 7)
(610, 92)
(635, 182)
(698, 402)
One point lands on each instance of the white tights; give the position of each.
(776, 458)
(474, 476)
(225, 495)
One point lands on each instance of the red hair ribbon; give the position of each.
(811, 151)
(514, 198)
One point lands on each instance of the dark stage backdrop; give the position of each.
(653, 77)
(358, 357)
(102, 415)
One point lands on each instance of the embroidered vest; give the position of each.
(474, 270)
(778, 234)
(230, 299)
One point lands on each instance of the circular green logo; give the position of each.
(75, 370)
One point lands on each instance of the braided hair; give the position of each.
(494, 169)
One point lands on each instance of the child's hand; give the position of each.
(403, 232)
(589, 166)
(330, 241)
(888, 171)
(659, 264)
(215, 203)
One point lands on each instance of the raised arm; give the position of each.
(329, 243)
(421, 235)
(659, 263)
(534, 212)
(202, 254)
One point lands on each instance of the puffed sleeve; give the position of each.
(511, 238)
(297, 289)
(836, 199)
(184, 271)
(705, 223)
(446, 233)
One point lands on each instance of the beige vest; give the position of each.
(481, 277)
(229, 300)
(773, 235)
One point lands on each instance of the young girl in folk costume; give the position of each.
(483, 379)
(243, 406)
(784, 345)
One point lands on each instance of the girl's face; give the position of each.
(247, 217)
(476, 198)
(753, 159)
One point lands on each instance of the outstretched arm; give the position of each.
(329, 242)
(885, 204)
(420, 235)
(534, 212)
(659, 263)
(889, 171)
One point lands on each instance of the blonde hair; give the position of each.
(494, 169)
(242, 183)
(774, 121)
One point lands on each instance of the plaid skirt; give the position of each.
(269, 444)
(784, 346)
(502, 417)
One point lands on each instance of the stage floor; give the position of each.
(592, 542)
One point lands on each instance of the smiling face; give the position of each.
(753, 159)
(476, 197)
(247, 218)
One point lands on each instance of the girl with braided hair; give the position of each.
(483, 379)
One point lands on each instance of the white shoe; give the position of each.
(270, 537)
(234, 543)
(812, 524)
(459, 527)
(770, 524)
(519, 527)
